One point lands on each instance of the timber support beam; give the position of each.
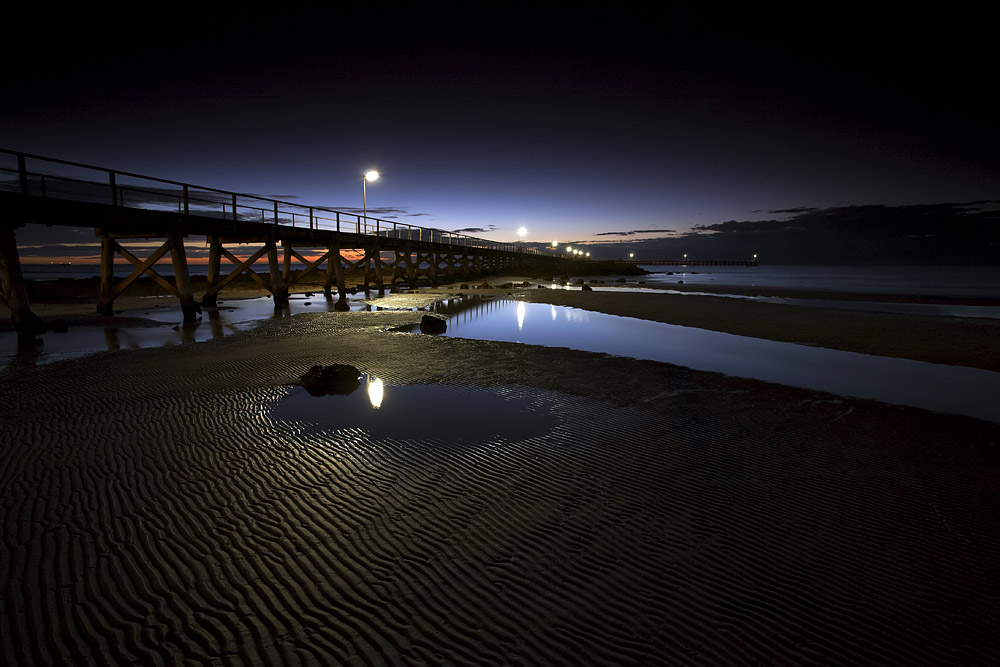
(15, 293)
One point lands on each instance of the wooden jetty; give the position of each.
(123, 207)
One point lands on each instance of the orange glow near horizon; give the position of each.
(95, 260)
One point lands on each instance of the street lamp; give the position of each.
(521, 231)
(369, 176)
(631, 255)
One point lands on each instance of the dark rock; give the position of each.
(463, 286)
(335, 379)
(680, 282)
(542, 287)
(430, 324)
(587, 288)
(308, 303)
(620, 280)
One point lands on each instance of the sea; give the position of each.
(967, 282)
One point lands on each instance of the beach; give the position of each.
(160, 508)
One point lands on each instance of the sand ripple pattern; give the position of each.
(154, 512)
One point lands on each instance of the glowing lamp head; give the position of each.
(371, 176)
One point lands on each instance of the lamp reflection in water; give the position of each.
(376, 390)
(520, 315)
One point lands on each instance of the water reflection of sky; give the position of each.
(415, 412)
(953, 389)
(164, 327)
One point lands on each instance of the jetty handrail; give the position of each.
(115, 189)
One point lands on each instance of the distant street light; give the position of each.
(631, 255)
(521, 231)
(369, 176)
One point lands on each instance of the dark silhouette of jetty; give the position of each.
(122, 206)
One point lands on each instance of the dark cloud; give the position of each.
(949, 233)
(797, 211)
(475, 230)
(636, 231)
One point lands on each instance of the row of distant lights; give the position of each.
(555, 244)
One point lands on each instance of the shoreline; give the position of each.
(967, 341)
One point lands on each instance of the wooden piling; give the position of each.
(15, 293)
(106, 295)
(278, 290)
(211, 296)
(182, 278)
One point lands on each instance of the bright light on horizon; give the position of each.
(371, 176)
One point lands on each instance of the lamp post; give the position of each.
(521, 231)
(369, 176)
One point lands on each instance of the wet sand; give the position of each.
(156, 512)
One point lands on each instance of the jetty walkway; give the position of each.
(124, 207)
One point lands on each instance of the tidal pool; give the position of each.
(952, 389)
(422, 412)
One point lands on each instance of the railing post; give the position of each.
(234, 207)
(276, 213)
(114, 188)
(187, 204)
(310, 217)
(338, 223)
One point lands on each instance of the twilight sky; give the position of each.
(797, 136)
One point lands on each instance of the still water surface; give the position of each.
(412, 412)
(953, 389)
(937, 387)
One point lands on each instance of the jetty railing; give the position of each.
(64, 179)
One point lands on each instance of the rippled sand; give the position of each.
(154, 511)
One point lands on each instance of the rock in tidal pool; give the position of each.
(335, 379)
(433, 325)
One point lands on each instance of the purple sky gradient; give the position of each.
(571, 123)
